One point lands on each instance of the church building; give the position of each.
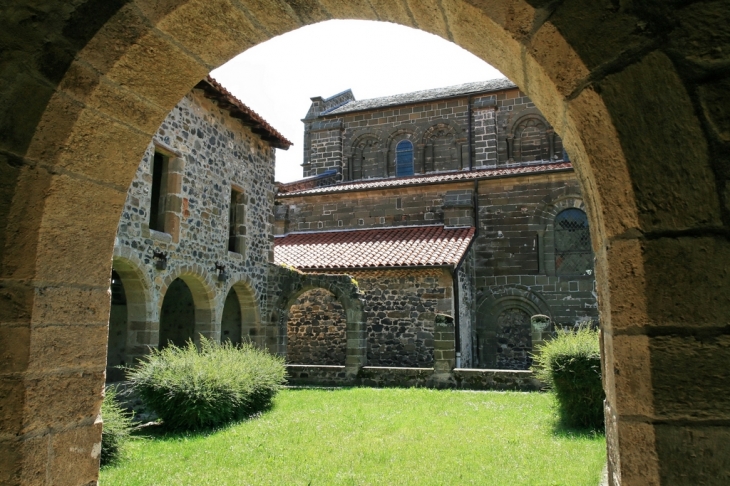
(459, 201)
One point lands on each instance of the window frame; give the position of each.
(560, 253)
(399, 164)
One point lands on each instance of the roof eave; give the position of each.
(238, 110)
(427, 183)
(428, 100)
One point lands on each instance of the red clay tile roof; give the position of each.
(213, 89)
(425, 246)
(462, 175)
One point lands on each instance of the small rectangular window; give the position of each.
(157, 194)
(237, 222)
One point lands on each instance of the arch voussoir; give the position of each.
(646, 162)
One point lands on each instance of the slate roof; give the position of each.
(462, 175)
(214, 90)
(425, 246)
(424, 95)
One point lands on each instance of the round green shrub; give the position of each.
(570, 364)
(191, 388)
(116, 427)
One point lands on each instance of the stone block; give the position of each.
(637, 448)
(76, 455)
(14, 357)
(60, 246)
(714, 98)
(54, 348)
(217, 31)
(674, 198)
(58, 400)
(558, 58)
(171, 79)
(701, 393)
(24, 461)
(69, 305)
(12, 401)
(629, 377)
(599, 35)
(91, 144)
(686, 281)
(690, 455)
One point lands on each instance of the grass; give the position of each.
(364, 436)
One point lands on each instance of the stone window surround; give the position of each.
(546, 232)
(240, 224)
(173, 201)
(524, 115)
(387, 138)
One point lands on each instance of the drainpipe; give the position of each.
(469, 131)
(457, 314)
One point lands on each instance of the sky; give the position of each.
(277, 78)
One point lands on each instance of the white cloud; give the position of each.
(277, 78)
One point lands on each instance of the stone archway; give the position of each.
(347, 294)
(503, 330)
(139, 325)
(195, 287)
(316, 329)
(244, 314)
(638, 92)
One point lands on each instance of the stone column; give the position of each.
(444, 348)
(550, 133)
(510, 149)
(356, 356)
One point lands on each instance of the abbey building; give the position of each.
(458, 201)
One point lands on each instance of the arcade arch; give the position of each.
(656, 194)
(240, 320)
(132, 319)
(187, 308)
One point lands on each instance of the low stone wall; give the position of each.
(317, 375)
(381, 377)
(375, 376)
(478, 379)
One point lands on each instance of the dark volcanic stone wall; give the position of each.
(316, 330)
(507, 128)
(400, 310)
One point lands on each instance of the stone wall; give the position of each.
(365, 209)
(206, 154)
(400, 309)
(507, 128)
(289, 284)
(515, 270)
(459, 378)
(512, 264)
(316, 330)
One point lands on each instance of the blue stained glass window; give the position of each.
(404, 158)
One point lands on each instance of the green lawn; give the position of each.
(376, 436)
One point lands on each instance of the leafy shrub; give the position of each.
(571, 365)
(193, 389)
(115, 429)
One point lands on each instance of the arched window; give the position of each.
(404, 158)
(572, 243)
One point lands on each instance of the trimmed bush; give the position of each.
(570, 364)
(116, 428)
(191, 388)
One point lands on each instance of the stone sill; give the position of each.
(160, 236)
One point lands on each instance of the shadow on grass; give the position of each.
(566, 431)
(158, 430)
